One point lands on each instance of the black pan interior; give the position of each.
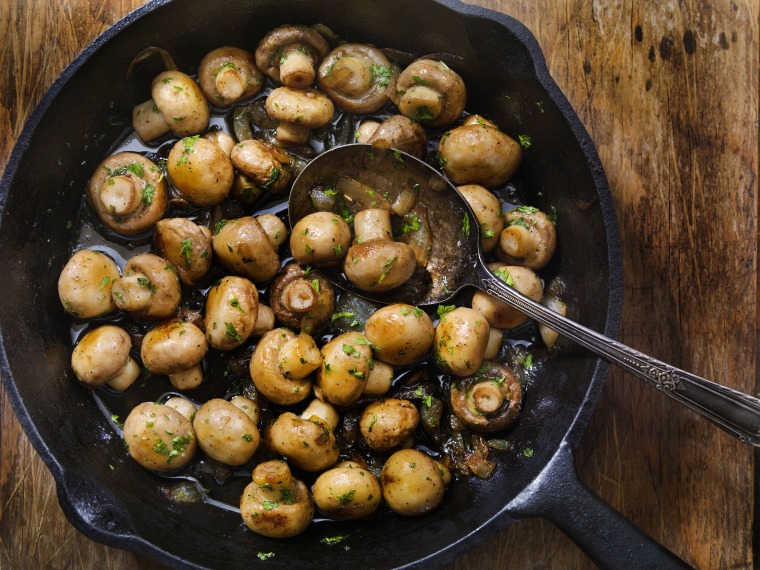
(109, 497)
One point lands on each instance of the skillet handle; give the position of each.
(608, 538)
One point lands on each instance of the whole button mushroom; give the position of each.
(347, 492)
(400, 334)
(401, 133)
(159, 437)
(357, 77)
(244, 248)
(186, 245)
(431, 93)
(225, 432)
(344, 370)
(177, 104)
(290, 53)
(460, 341)
(489, 400)
(175, 348)
(301, 301)
(149, 288)
(265, 166)
(320, 239)
(102, 357)
(276, 504)
(528, 239)
(308, 443)
(478, 154)
(232, 307)
(84, 285)
(267, 375)
(413, 484)
(498, 314)
(128, 193)
(298, 112)
(375, 262)
(388, 423)
(229, 74)
(201, 171)
(487, 210)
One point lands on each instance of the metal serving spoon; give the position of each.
(457, 262)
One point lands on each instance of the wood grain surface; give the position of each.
(669, 94)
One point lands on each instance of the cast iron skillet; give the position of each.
(109, 497)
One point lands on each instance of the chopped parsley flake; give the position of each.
(444, 310)
(347, 497)
(381, 74)
(186, 251)
(232, 333)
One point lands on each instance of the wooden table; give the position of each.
(669, 94)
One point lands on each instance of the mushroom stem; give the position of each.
(299, 296)
(187, 379)
(272, 475)
(517, 241)
(487, 397)
(148, 122)
(230, 83)
(126, 377)
(132, 292)
(292, 134)
(324, 412)
(373, 223)
(366, 130)
(120, 195)
(297, 66)
(421, 102)
(351, 75)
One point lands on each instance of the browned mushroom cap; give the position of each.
(232, 306)
(264, 165)
(229, 74)
(290, 53)
(201, 171)
(243, 247)
(84, 285)
(478, 154)
(401, 133)
(181, 103)
(300, 301)
(357, 78)
(149, 288)
(128, 193)
(186, 245)
(173, 347)
(489, 400)
(430, 92)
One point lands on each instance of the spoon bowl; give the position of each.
(454, 252)
(456, 262)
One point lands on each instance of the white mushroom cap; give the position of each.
(102, 356)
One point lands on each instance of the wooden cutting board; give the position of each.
(669, 94)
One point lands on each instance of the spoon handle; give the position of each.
(735, 412)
